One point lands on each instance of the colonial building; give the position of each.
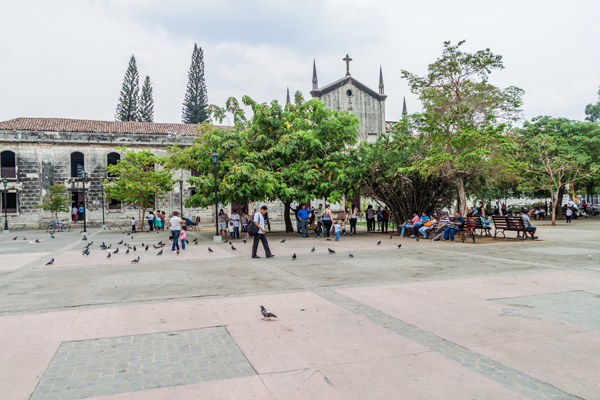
(36, 153)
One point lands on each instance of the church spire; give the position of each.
(315, 81)
(287, 99)
(380, 81)
(404, 111)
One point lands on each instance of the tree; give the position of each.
(146, 113)
(195, 103)
(59, 201)
(127, 109)
(464, 117)
(592, 111)
(137, 180)
(557, 152)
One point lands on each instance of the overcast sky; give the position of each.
(67, 58)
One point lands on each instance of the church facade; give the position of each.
(348, 94)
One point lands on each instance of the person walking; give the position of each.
(183, 236)
(157, 220)
(235, 218)
(133, 225)
(385, 219)
(337, 229)
(353, 218)
(223, 220)
(303, 217)
(163, 217)
(74, 214)
(245, 225)
(150, 219)
(175, 225)
(259, 221)
(503, 208)
(327, 220)
(370, 214)
(318, 213)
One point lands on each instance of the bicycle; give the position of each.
(57, 226)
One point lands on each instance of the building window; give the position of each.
(114, 204)
(112, 159)
(8, 165)
(11, 203)
(192, 192)
(76, 164)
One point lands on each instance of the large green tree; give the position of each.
(195, 104)
(557, 152)
(128, 107)
(592, 111)
(464, 117)
(146, 113)
(58, 200)
(138, 179)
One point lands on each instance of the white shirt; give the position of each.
(569, 212)
(175, 223)
(258, 217)
(337, 228)
(74, 210)
(235, 218)
(132, 222)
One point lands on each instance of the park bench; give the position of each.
(482, 227)
(341, 216)
(503, 224)
(468, 229)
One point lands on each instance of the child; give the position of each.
(231, 230)
(182, 236)
(337, 230)
(171, 240)
(343, 228)
(133, 225)
(163, 216)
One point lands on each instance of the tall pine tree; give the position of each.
(127, 109)
(195, 103)
(146, 102)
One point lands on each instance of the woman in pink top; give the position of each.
(410, 224)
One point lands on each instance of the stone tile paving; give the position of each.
(142, 278)
(123, 364)
(577, 307)
(519, 382)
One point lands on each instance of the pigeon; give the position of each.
(142, 244)
(283, 241)
(109, 229)
(230, 242)
(116, 251)
(91, 243)
(24, 238)
(244, 240)
(86, 253)
(132, 237)
(134, 249)
(127, 252)
(417, 239)
(108, 256)
(109, 246)
(378, 243)
(312, 250)
(232, 248)
(391, 236)
(52, 236)
(267, 314)
(161, 242)
(350, 255)
(37, 241)
(103, 244)
(195, 243)
(137, 260)
(84, 238)
(187, 241)
(160, 252)
(146, 247)
(210, 250)
(177, 251)
(400, 245)
(121, 242)
(49, 262)
(294, 256)
(15, 238)
(195, 240)
(331, 251)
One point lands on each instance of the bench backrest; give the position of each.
(342, 216)
(508, 223)
(470, 224)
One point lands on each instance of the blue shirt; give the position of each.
(303, 214)
(462, 221)
(425, 218)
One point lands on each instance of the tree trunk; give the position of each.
(462, 195)
(554, 207)
(561, 194)
(141, 218)
(286, 217)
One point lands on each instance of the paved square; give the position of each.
(142, 278)
(89, 368)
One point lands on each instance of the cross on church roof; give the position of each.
(347, 59)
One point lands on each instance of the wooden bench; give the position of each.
(468, 229)
(341, 216)
(482, 227)
(509, 223)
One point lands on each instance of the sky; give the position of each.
(67, 58)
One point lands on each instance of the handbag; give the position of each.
(252, 229)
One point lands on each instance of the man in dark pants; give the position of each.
(259, 221)
(303, 216)
(385, 219)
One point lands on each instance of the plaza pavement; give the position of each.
(499, 319)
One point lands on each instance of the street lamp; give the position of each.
(102, 193)
(5, 183)
(215, 159)
(84, 176)
(181, 196)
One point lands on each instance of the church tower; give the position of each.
(350, 95)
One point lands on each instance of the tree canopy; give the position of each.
(58, 200)
(128, 106)
(195, 103)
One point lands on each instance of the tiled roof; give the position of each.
(84, 125)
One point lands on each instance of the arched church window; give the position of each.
(112, 159)
(77, 164)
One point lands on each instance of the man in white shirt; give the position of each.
(235, 218)
(259, 221)
(74, 214)
(175, 225)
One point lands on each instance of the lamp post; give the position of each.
(181, 196)
(215, 159)
(102, 193)
(5, 183)
(84, 176)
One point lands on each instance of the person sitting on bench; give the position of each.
(528, 228)
(457, 225)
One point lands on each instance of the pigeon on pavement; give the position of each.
(378, 243)
(146, 247)
(134, 249)
(232, 248)
(417, 239)
(391, 236)
(210, 250)
(160, 252)
(127, 252)
(15, 238)
(283, 241)
(37, 241)
(49, 262)
(137, 260)
(116, 251)
(121, 242)
(331, 251)
(267, 314)
(312, 250)
(294, 256)
(244, 240)
(350, 254)
(400, 245)
(108, 256)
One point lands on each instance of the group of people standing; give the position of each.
(382, 217)
(156, 220)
